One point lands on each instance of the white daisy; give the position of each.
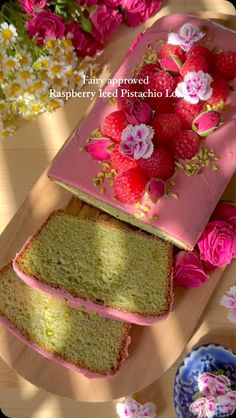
(8, 33)
(56, 69)
(25, 76)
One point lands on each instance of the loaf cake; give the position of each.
(169, 181)
(120, 273)
(83, 342)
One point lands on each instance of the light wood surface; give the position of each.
(22, 160)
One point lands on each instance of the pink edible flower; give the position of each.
(187, 36)
(45, 25)
(137, 11)
(226, 404)
(188, 270)
(32, 6)
(136, 141)
(196, 86)
(156, 189)
(137, 112)
(217, 244)
(206, 123)
(229, 301)
(105, 20)
(98, 148)
(225, 212)
(133, 409)
(203, 407)
(211, 385)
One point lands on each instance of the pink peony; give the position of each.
(32, 6)
(211, 385)
(84, 43)
(137, 11)
(188, 270)
(98, 148)
(45, 25)
(217, 244)
(225, 212)
(137, 112)
(105, 20)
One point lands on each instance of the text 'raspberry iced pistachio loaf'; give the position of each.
(83, 342)
(117, 272)
(159, 146)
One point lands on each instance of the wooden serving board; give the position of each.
(153, 349)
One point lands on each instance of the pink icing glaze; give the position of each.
(185, 218)
(10, 327)
(87, 305)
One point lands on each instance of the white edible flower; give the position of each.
(8, 33)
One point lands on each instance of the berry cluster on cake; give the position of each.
(159, 150)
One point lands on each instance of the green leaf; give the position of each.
(197, 395)
(86, 24)
(219, 372)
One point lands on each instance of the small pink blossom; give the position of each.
(226, 404)
(98, 148)
(136, 141)
(45, 25)
(217, 244)
(137, 112)
(195, 87)
(229, 302)
(203, 407)
(225, 211)
(156, 189)
(187, 36)
(133, 409)
(188, 270)
(206, 122)
(211, 385)
(105, 20)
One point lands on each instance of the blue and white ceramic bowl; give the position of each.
(205, 358)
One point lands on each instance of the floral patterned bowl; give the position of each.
(205, 358)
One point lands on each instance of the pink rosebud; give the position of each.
(45, 25)
(84, 43)
(156, 189)
(100, 148)
(210, 384)
(171, 63)
(188, 270)
(217, 244)
(137, 112)
(203, 407)
(226, 404)
(105, 20)
(206, 123)
(32, 6)
(225, 212)
(137, 11)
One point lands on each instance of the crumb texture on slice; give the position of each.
(120, 268)
(86, 340)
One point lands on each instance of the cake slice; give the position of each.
(83, 342)
(120, 273)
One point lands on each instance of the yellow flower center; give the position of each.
(67, 43)
(38, 85)
(36, 108)
(10, 63)
(24, 60)
(25, 75)
(7, 34)
(53, 105)
(56, 69)
(15, 88)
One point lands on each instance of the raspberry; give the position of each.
(121, 162)
(168, 50)
(200, 51)
(160, 81)
(226, 64)
(161, 104)
(147, 70)
(114, 124)
(129, 186)
(220, 90)
(165, 127)
(185, 144)
(187, 112)
(160, 164)
(194, 64)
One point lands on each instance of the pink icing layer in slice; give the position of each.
(179, 220)
(87, 305)
(13, 330)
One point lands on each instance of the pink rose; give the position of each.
(225, 212)
(32, 6)
(98, 148)
(105, 21)
(188, 270)
(137, 112)
(217, 244)
(45, 25)
(84, 43)
(137, 11)
(113, 3)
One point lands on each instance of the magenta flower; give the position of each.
(45, 25)
(225, 211)
(187, 36)
(99, 150)
(229, 302)
(206, 122)
(211, 385)
(136, 141)
(203, 407)
(84, 43)
(105, 20)
(113, 3)
(195, 87)
(156, 189)
(137, 112)
(137, 11)
(217, 244)
(32, 6)
(188, 270)
(226, 404)
(133, 409)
